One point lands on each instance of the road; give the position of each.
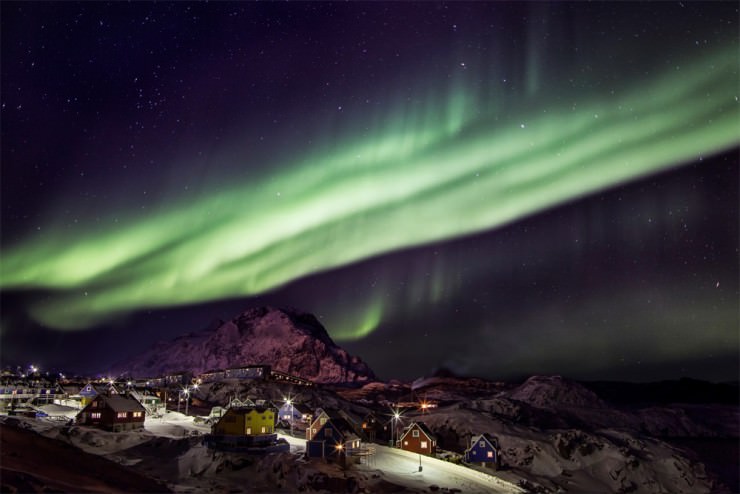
(402, 468)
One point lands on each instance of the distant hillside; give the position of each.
(288, 340)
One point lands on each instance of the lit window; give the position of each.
(95, 415)
(424, 444)
(121, 415)
(490, 454)
(475, 453)
(137, 414)
(264, 430)
(415, 433)
(249, 431)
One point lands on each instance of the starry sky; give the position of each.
(499, 189)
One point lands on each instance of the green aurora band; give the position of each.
(443, 171)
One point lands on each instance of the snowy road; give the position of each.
(402, 467)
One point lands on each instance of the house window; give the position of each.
(95, 415)
(137, 414)
(415, 433)
(264, 430)
(475, 453)
(121, 415)
(249, 431)
(424, 444)
(490, 454)
(95, 404)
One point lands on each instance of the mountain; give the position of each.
(288, 340)
(553, 392)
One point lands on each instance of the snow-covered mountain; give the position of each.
(554, 392)
(288, 340)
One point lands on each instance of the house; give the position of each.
(152, 403)
(374, 428)
(319, 419)
(89, 391)
(237, 403)
(484, 450)
(419, 439)
(246, 421)
(294, 412)
(115, 412)
(336, 438)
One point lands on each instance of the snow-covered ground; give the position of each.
(175, 425)
(402, 467)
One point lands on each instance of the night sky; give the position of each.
(499, 189)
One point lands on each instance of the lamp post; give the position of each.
(396, 416)
(187, 395)
(290, 402)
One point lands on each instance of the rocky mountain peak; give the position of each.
(554, 392)
(288, 340)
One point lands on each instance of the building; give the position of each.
(248, 421)
(248, 372)
(336, 438)
(113, 412)
(181, 378)
(419, 439)
(89, 391)
(288, 378)
(152, 403)
(375, 429)
(211, 376)
(319, 419)
(294, 412)
(484, 450)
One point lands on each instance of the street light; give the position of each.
(187, 395)
(396, 416)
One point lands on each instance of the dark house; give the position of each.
(375, 429)
(113, 412)
(336, 438)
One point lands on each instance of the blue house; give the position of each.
(294, 412)
(484, 450)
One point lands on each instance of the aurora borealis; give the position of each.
(329, 157)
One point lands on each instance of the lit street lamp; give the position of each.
(396, 416)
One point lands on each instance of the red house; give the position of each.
(113, 412)
(418, 438)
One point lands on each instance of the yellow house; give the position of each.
(249, 421)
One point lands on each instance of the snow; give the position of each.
(402, 467)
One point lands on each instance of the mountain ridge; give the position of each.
(287, 339)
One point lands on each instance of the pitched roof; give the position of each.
(422, 426)
(342, 426)
(480, 437)
(121, 403)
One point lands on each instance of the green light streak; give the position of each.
(426, 173)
